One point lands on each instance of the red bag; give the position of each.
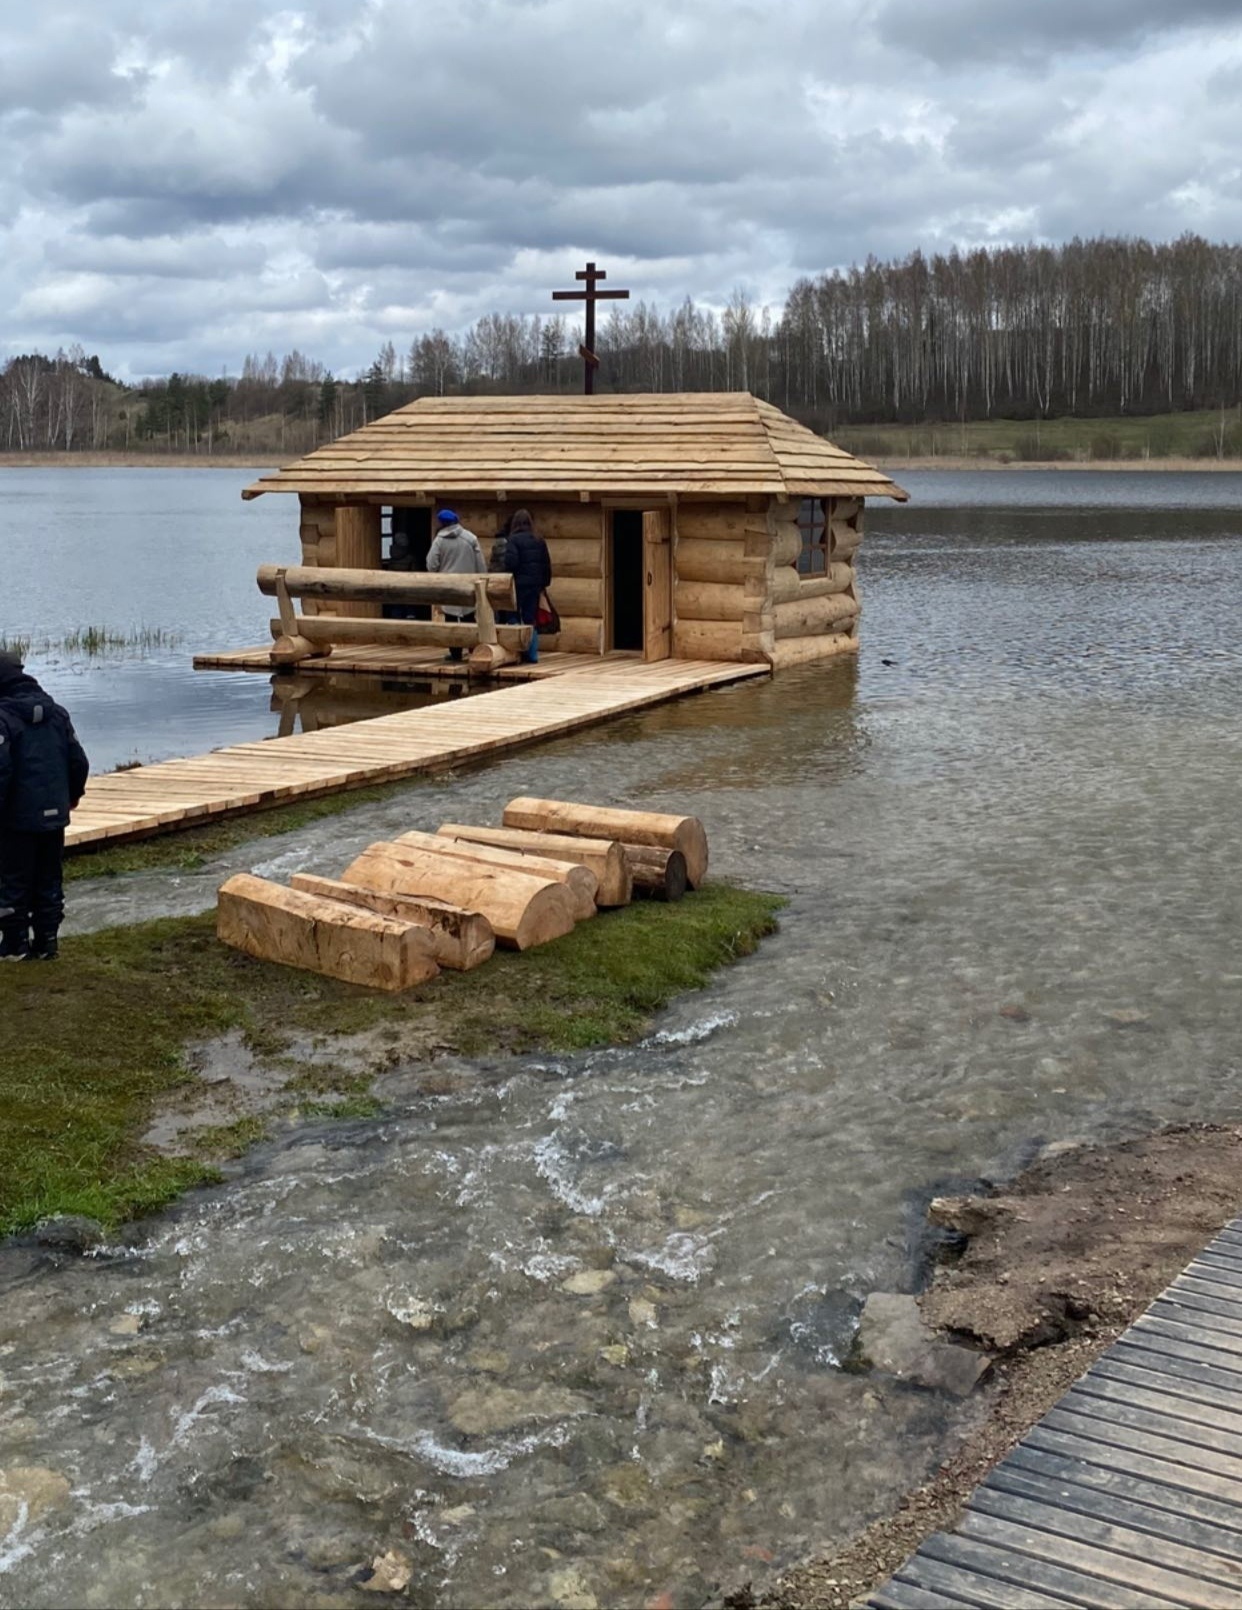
(547, 621)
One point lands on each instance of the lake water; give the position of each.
(1023, 794)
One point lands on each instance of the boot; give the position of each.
(14, 944)
(44, 948)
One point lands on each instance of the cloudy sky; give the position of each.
(186, 181)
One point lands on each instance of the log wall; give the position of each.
(736, 596)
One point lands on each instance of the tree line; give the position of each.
(1098, 327)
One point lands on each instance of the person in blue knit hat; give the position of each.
(456, 552)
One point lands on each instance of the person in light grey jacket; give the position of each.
(456, 552)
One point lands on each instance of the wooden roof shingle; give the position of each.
(711, 443)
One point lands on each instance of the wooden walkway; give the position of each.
(1128, 1493)
(184, 793)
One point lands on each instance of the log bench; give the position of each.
(298, 637)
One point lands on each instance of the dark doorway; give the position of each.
(627, 579)
(408, 550)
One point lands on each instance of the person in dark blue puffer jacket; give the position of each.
(528, 561)
(43, 772)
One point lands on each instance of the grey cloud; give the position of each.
(950, 32)
(329, 175)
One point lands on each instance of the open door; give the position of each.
(657, 584)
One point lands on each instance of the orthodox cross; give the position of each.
(590, 295)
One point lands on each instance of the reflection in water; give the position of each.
(309, 703)
(569, 1329)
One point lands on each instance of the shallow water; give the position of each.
(1022, 795)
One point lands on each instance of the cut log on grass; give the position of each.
(299, 929)
(658, 873)
(523, 909)
(462, 940)
(684, 833)
(580, 881)
(605, 857)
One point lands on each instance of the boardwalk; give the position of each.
(183, 793)
(1128, 1493)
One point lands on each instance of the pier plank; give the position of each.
(1129, 1490)
(242, 777)
(1120, 1508)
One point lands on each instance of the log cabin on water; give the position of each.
(703, 526)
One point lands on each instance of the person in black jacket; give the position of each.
(43, 772)
(529, 563)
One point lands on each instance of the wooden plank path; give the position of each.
(183, 793)
(1128, 1492)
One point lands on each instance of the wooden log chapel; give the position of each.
(704, 526)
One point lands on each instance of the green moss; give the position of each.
(89, 1045)
(193, 847)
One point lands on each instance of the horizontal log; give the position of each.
(823, 646)
(658, 873)
(523, 909)
(578, 635)
(710, 600)
(804, 616)
(485, 658)
(707, 640)
(606, 858)
(323, 630)
(571, 522)
(385, 586)
(837, 578)
(785, 544)
(461, 940)
(289, 650)
(577, 596)
(576, 558)
(298, 929)
(659, 828)
(702, 559)
(727, 522)
(579, 880)
(785, 583)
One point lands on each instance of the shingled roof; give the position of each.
(716, 443)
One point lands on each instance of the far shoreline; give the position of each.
(947, 462)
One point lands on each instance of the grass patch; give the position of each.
(88, 1046)
(192, 847)
(93, 641)
(1202, 433)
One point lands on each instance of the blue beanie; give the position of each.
(447, 517)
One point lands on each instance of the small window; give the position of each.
(813, 560)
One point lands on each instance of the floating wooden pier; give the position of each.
(1128, 1492)
(185, 793)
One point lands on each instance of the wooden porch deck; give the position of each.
(418, 664)
(1128, 1493)
(243, 777)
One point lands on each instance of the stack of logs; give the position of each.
(403, 909)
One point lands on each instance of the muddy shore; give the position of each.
(1056, 1264)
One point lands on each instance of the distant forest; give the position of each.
(1094, 328)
